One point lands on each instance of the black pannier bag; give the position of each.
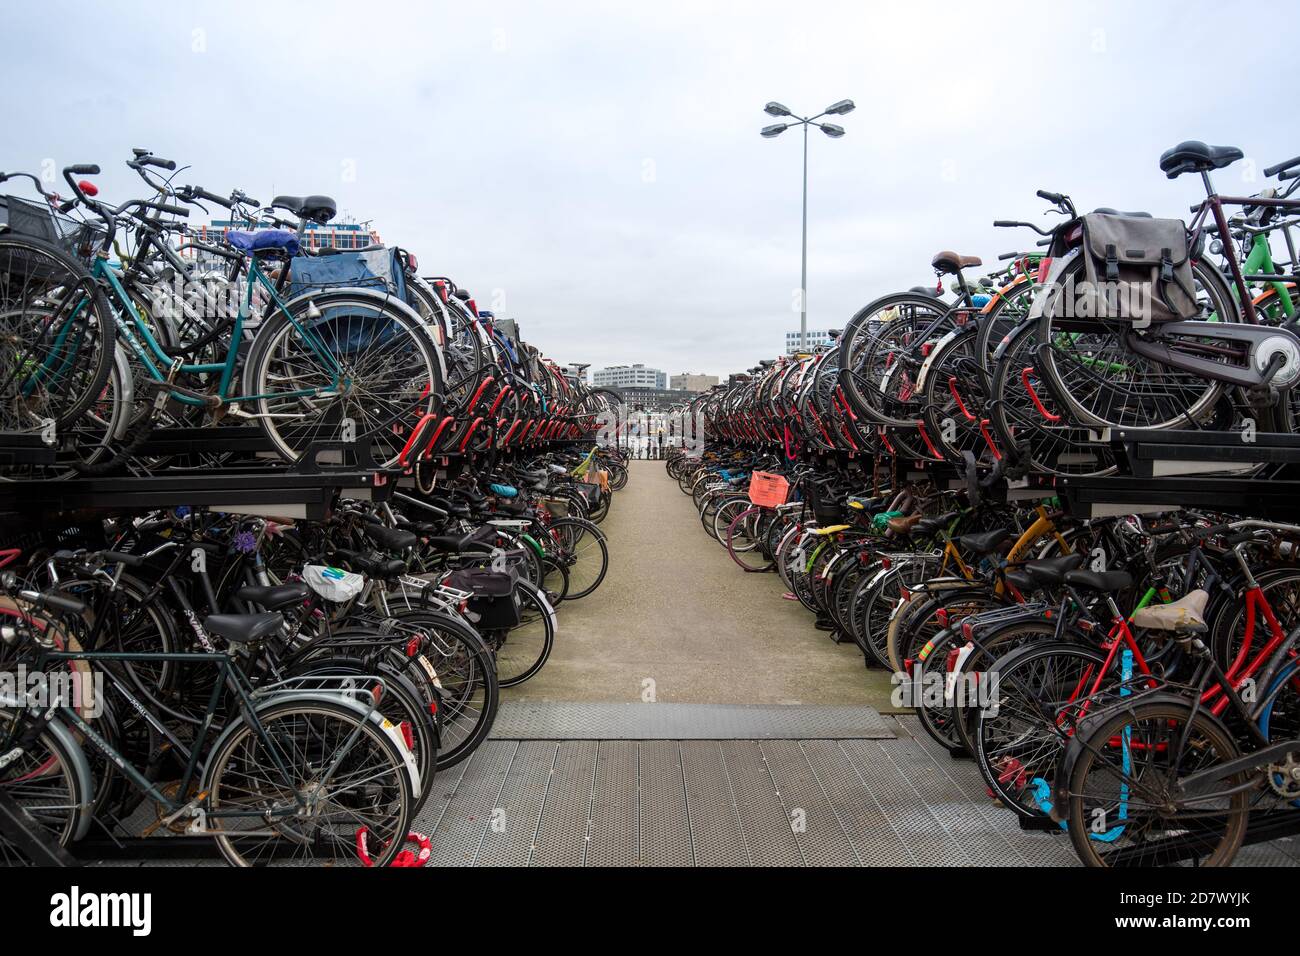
(590, 492)
(1140, 269)
(492, 597)
(826, 511)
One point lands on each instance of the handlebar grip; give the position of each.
(1004, 223)
(1049, 196)
(212, 197)
(1290, 174)
(245, 198)
(1007, 255)
(159, 162)
(56, 601)
(118, 557)
(83, 169)
(1274, 170)
(169, 208)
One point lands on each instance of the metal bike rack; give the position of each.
(20, 829)
(1256, 474)
(256, 485)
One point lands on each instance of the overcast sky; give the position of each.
(595, 170)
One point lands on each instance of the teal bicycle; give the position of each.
(327, 366)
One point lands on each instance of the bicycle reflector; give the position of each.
(87, 187)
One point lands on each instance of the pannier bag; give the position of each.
(1139, 269)
(825, 509)
(377, 270)
(492, 605)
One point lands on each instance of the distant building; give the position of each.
(334, 235)
(690, 382)
(629, 376)
(642, 399)
(814, 339)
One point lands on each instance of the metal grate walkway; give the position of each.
(723, 803)
(526, 720)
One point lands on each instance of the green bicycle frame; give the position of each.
(161, 367)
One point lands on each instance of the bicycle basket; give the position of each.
(21, 217)
(24, 218)
(558, 507)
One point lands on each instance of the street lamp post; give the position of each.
(834, 132)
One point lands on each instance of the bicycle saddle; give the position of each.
(1099, 580)
(1021, 581)
(451, 544)
(903, 525)
(1185, 614)
(934, 523)
(390, 539)
(1193, 156)
(314, 208)
(1107, 211)
(985, 542)
(274, 597)
(1052, 570)
(948, 261)
(263, 240)
(243, 628)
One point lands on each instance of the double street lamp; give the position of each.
(834, 132)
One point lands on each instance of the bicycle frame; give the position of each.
(1213, 207)
(162, 368)
(231, 678)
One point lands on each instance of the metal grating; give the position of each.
(665, 820)
(615, 806)
(524, 720)
(561, 838)
(898, 802)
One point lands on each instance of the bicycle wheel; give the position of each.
(1020, 735)
(399, 702)
(723, 516)
(1029, 423)
(59, 335)
(522, 650)
(1121, 806)
(881, 334)
(584, 551)
(50, 780)
(555, 579)
(1102, 383)
(389, 374)
(334, 763)
(746, 540)
(460, 676)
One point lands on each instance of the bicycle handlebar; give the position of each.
(55, 601)
(1274, 170)
(144, 158)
